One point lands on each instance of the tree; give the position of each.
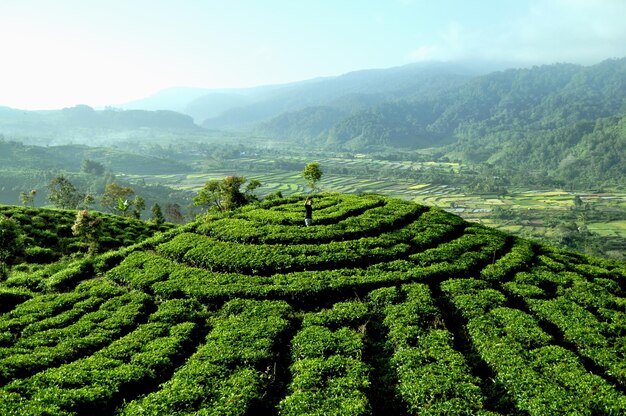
(88, 200)
(87, 228)
(139, 204)
(91, 167)
(157, 214)
(11, 239)
(118, 200)
(312, 174)
(227, 194)
(174, 214)
(63, 194)
(28, 198)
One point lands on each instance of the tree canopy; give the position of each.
(227, 193)
(312, 174)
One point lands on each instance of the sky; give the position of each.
(60, 53)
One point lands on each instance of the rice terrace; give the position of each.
(382, 306)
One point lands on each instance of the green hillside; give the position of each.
(564, 122)
(48, 236)
(381, 307)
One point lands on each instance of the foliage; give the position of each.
(227, 194)
(92, 167)
(157, 214)
(117, 199)
(88, 229)
(63, 194)
(11, 240)
(174, 214)
(312, 174)
(382, 306)
(28, 198)
(47, 233)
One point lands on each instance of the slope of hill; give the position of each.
(48, 235)
(84, 121)
(514, 101)
(543, 118)
(410, 81)
(14, 155)
(381, 307)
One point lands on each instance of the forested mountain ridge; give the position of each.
(82, 118)
(349, 92)
(544, 117)
(514, 100)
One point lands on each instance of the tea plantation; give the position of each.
(381, 307)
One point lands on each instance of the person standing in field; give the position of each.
(308, 216)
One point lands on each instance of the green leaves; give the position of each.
(382, 303)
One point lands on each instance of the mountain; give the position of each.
(346, 92)
(239, 108)
(381, 307)
(536, 118)
(83, 120)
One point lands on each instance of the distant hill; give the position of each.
(239, 108)
(380, 307)
(516, 100)
(18, 156)
(349, 92)
(541, 118)
(83, 120)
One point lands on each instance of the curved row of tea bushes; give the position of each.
(229, 373)
(36, 350)
(328, 375)
(433, 378)
(520, 256)
(369, 222)
(200, 251)
(121, 370)
(582, 329)
(540, 378)
(327, 210)
(48, 306)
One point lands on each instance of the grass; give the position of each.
(609, 229)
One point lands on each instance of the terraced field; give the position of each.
(381, 307)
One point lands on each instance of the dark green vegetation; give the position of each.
(381, 307)
(46, 234)
(561, 123)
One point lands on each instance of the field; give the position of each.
(528, 211)
(383, 306)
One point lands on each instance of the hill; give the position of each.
(381, 307)
(349, 92)
(84, 124)
(240, 108)
(48, 235)
(18, 156)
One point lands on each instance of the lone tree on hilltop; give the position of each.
(28, 198)
(63, 194)
(122, 200)
(312, 174)
(88, 228)
(11, 240)
(227, 194)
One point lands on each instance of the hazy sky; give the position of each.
(57, 53)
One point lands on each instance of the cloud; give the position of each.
(577, 31)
